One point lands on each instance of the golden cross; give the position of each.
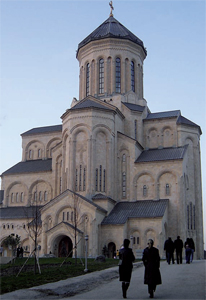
(112, 8)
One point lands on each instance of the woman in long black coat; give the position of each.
(126, 257)
(151, 260)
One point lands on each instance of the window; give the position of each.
(39, 152)
(118, 75)
(134, 241)
(67, 216)
(45, 196)
(87, 80)
(76, 180)
(124, 184)
(123, 158)
(144, 190)
(63, 215)
(100, 178)
(12, 197)
(35, 196)
(104, 186)
(101, 76)
(30, 153)
(60, 184)
(22, 197)
(72, 214)
(132, 77)
(96, 179)
(17, 197)
(40, 196)
(137, 240)
(167, 189)
(135, 129)
(80, 178)
(84, 180)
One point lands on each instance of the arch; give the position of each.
(80, 127)
(31, 189)
(24, 189)
(28, 148)
(51, 144)
(65, 134)
(102, 128)
(111, 249)
(139, 181)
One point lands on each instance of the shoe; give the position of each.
(124, 290)
(151, 294)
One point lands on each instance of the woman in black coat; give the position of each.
(151, 260)
(126, 257)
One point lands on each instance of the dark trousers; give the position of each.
(170, 256)
(188, 253)
(179, 256)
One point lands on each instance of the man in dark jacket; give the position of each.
(151, 260)
(126, 258)
(178, 245)
(169, 248)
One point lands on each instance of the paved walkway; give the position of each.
(178, 282)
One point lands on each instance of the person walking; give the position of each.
(126, 258)
(188, 250)
(178, 246)
(151, 261)
(169, 248)
(192, 247)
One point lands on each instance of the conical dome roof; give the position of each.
(111, 28)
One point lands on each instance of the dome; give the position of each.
(111, 28)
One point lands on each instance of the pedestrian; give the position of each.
(169, 248)
(192, 247)
(178, 246)
(126, 258)
(187, 250)
(21, 252)
(151, 260)
(18, 251)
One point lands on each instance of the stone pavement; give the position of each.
(178, 282)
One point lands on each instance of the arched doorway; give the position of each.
(65, 247)
(111, 250)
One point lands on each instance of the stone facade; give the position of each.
(109, 153)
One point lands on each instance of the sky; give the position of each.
(40, 74)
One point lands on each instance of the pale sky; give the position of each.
(39, 70)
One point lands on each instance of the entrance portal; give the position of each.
(112, 250)
(65, 247)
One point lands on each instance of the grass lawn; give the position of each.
(50, 271)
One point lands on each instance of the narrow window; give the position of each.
(67, 216)
(134, 240)
(40, 196)
(60, 184)
(24, 226)
(76, 180)
(100, 178)
(17, 197)
(80, 178)
(167, 189)
(63, 215)
(84, 180)
(22, 197)
(4, 226)
(144, 190)
(87, 80)
(138, 240)
(101, 76)
(30, 153)
(12, 197)
(104, 187)
(45, 196)
(132, 77)
(135, 129)
(12, 226)
(72, 214)
(118, 75)
(35, 196)
(124, 184)
(96, 179)
(39, 153)
(123, 158)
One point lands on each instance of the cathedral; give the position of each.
(112, 169)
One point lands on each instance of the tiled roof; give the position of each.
(111, 28)
(45, 129)
(18, 212)
(88, 103)
(134, 107)
(164, 114)
(183, 120)
(30, 166)
(138, 209)
(162, 154)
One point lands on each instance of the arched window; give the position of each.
(17, 197)
(87, 80)
(144, 190)
(30, 153)
(167, 189)
(132, 77)
(12, 197)
(39, 152)
(22, 197)
(40, 196)
(45, 196)
(123, 158)
(118, 75)
(101, 76)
